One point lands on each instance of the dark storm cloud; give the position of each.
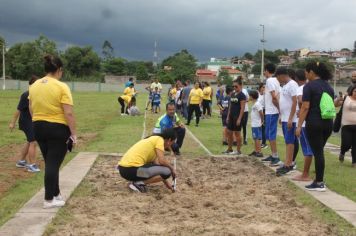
(206, 28)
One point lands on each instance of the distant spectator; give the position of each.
(127, 84)
(257, 119)
(223, 105)
(156, 84)
(353, 82)
(194, 101)
(219, 92)
(261, 100)
(125, 99)
(245, 117)
(133, 109)
(207, 98)
(185, 98)
(156, 101)
(25, 124)
(150, 91)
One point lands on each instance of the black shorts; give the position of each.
(144, 172)
(231, 125)
(28, 130)
(223, 120)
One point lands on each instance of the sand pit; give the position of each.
(216, 196)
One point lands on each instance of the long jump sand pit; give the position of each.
(216, 196)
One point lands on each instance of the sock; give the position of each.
(275, 155)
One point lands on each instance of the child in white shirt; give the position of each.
(257, 119)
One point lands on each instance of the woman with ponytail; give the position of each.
(318, 127)
(51, 105)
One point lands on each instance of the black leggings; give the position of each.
(206, 107)
(244, 125)
(193, 108)
(144, 172)
(318, 133)
(264, 129)
(348, 140)
(52, 139)
(122, 103)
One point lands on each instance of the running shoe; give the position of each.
(138, 187)
(267, 159)
(252, 154)
(316, 187)
(275, 161)
(283, 170)
(227, 152)
(264, 146)
(33, 168)
(259, 154)
(54, 203)
(21, 164)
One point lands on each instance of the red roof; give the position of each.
(201, 72)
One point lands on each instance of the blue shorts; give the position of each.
(257, 133)
(271, 126)
(156, 104)
(289, 134)
(307, 151)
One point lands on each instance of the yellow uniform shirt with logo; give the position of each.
(142, 152)
(47, 96)
(173, 93)
(128, 93)
(195, 96)
(207, 93)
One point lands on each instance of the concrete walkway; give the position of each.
(32, 219)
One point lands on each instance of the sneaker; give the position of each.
(227, 152)
(264, 146)
(294, 165)
(267, 159)
(138, 187)
(233, 153)
(252, 154)
(21, 164)
(123, 114)
(59, 197)
(316, 187)
(275, 161)
(224, 143)
(341, 157)
(54, 203)
(33, 168)
(259, 154)
(283, 170)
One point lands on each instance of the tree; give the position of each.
(141, 72)
(115, 66)
(300, 64)
(225, 78)
(108, 50)
(26, 59)
(256, 69)
(81, 61)
(248, 56)
(183, 65)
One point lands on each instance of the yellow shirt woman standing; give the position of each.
(207, 95)
(194, 101)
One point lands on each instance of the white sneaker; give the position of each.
(52, 204)
(58, 197)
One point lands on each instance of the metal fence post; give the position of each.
(73, 86)
(18, 84)
(99, 86)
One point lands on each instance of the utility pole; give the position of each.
(3, 65)
(155, 56)
(263, 52)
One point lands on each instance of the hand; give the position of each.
(298, 131)
(11, 126)
(238, 122)
(279, 121)
(289, 124)
(174, 175)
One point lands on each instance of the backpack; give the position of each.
(327, 107)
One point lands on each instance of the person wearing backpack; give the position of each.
(318, 111)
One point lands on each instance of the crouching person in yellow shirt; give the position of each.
(144, 163)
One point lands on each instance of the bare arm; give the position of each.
(275, 99)
(292, 111)
(14, 119)
(302, 116)
(262, 117)
(160, 160)
(69, 116)
(242, 110)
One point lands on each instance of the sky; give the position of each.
(207, 28)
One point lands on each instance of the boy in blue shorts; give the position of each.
(223, 104)
(156, 101)
(288, 107)
(256, 123)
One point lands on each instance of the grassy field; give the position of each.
(100, 128)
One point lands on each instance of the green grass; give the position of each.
(340, 178)
(100, 128)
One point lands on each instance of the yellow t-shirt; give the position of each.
(207, 93)
(128, 93)
(47, 96)
(143, 152)
(173, 93)
(195, 96)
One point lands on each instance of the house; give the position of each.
(206, 75)
(299, 53)
(234, 73)
(346, 71)
(318, 55)
(286, 60)
(343, 53)
(216, 64)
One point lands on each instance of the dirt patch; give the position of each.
(216, 196)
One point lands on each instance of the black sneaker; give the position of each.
(283, 171)
(224, 143)
(138, 187)
(258, 154)
(316, 187)
(252, 154)
(275, 161)
(341, 157)
(267, 159)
